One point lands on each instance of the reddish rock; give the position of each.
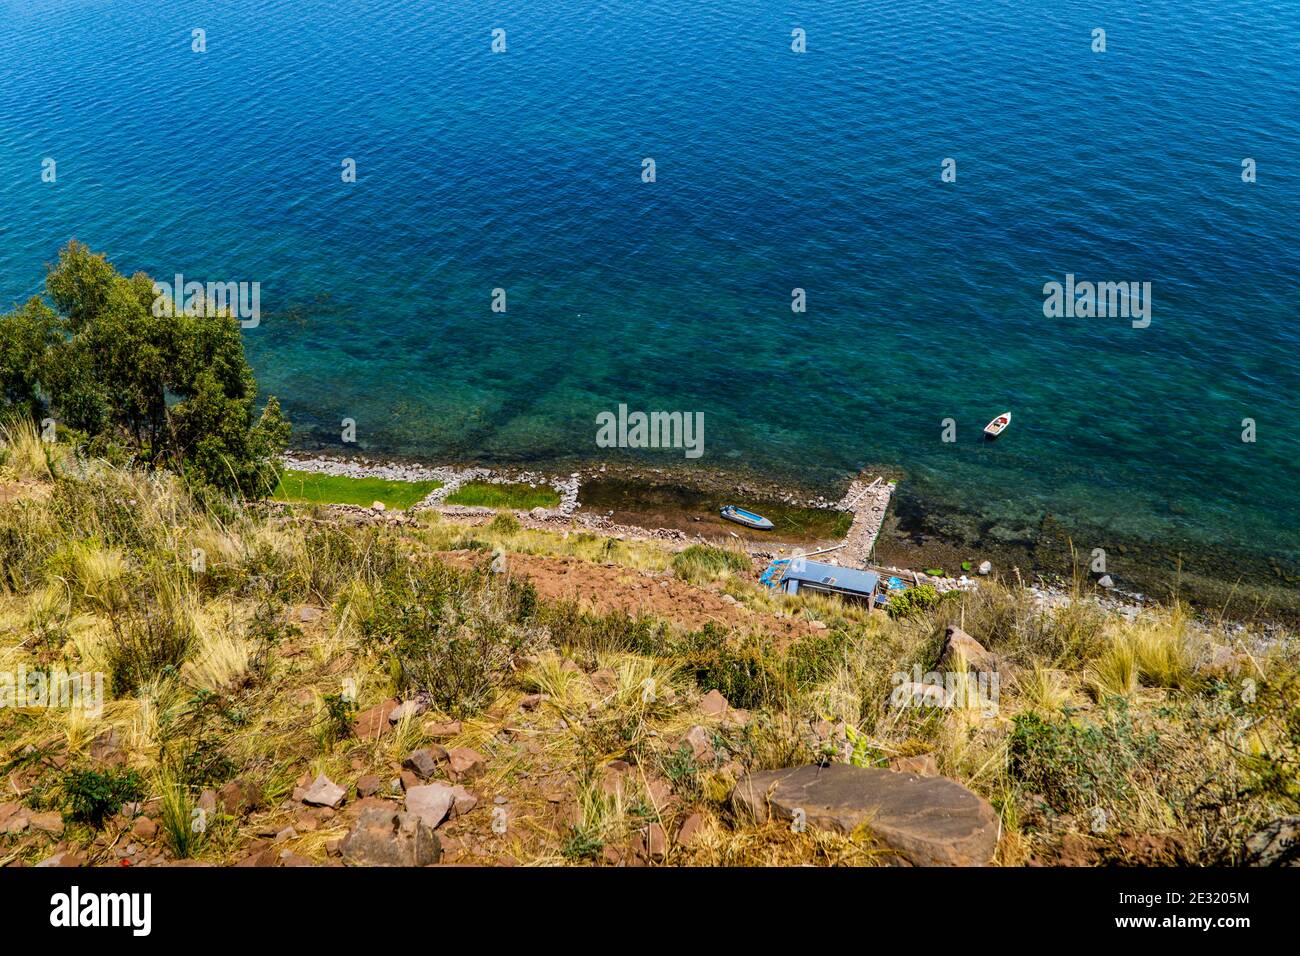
(390, 838)
(957, 644)
(443, 730)
(690, 827)
(466, 763)
(431, 803)
(426, 761)
(239, 797)
(324, 792)
(407, 709)
(260, 855)
(463, 801)
(368, 785)
(144, 829)
(714, 704)
(64, 858)
(50, 822)
(700, 743)
(656, 842)
(373, 723)
(922, 764)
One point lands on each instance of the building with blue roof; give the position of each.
(814, 577)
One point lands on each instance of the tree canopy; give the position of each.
(172, 390)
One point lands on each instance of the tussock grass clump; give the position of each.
(25, 453)
(701, 563)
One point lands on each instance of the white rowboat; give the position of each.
(996, 427)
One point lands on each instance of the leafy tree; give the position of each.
(25, 336)
(175, 389)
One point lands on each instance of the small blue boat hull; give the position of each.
(746, 518)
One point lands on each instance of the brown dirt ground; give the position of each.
(18, 491)
(607, 587)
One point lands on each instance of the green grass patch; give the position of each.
(521, 497)
(320, 489)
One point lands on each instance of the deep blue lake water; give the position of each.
(774, 170)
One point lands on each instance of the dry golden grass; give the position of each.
(135, 535)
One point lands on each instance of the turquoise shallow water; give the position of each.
(775, 170)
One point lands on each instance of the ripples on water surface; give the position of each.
(774, 171)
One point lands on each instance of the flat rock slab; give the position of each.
(930, 821)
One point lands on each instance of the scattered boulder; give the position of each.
(368, 785)
(64, 858)
(463, 801)
(912, 694)
(390, 838)
(373, 723)
(986, 567)
(106, 749)
(239, 796)
(656, 842)
(922, 764)
(1278, 844)
(261, 854)
(958, 644)
(466, 763)
(144, 829)
(425, 761)
(714, 704)
(928, 821)
(699, 742)
(208, 801)
(378, 506)
(1106, 581)
(431, 803)
(51, 822)
(1226, 662)
(324, 792)
(443, 730)
(690, 827)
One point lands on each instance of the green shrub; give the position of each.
(454, 635)
(914, 600)
(749, 675)
(337, 716)
(1077, 765)
(93, 795)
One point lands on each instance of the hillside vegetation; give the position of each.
(249, 651)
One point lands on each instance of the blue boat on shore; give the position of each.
(747, 518)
